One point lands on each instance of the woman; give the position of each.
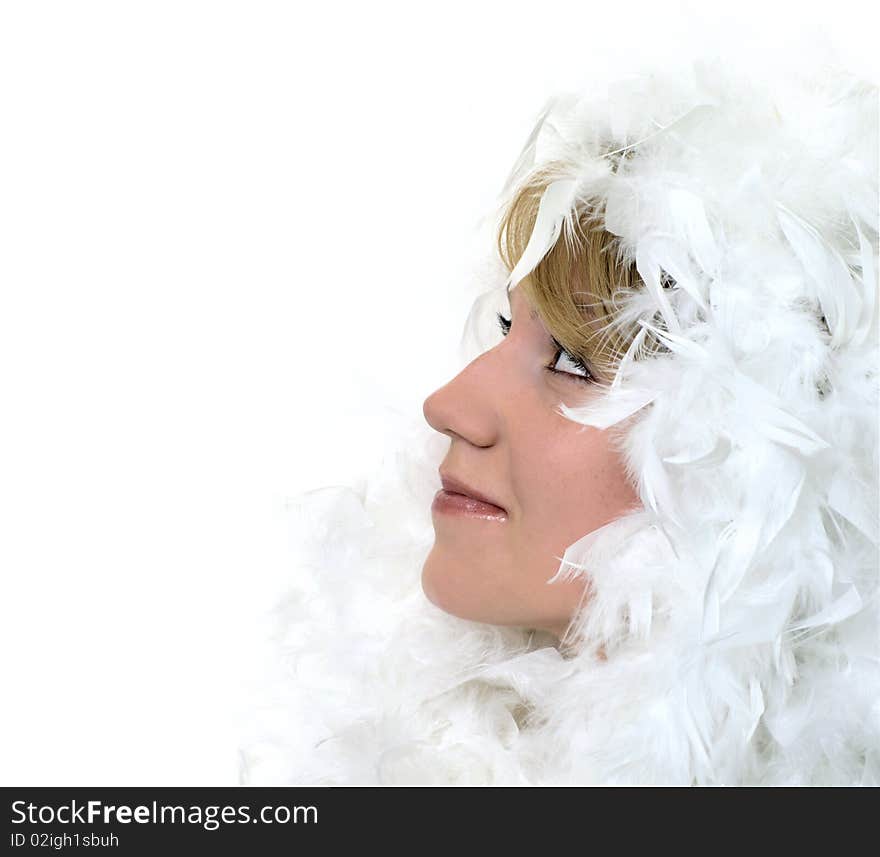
(653, 554)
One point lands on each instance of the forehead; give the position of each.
(517, 299)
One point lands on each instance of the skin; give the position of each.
(556, 478)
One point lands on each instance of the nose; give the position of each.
(468, 405)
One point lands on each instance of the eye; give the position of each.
(575, 367)
(571, 366)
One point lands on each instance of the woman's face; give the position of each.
(553, 480)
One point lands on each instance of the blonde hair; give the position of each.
(576, 286)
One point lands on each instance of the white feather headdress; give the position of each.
(738, 610)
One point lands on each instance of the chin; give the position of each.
(439, 589)
(450, 594)
(452, 587)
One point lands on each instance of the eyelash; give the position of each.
(505, 324)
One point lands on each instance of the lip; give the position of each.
(456, 486)
(458, 498)
(448, 502)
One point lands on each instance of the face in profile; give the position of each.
(544, 480)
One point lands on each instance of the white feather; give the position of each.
(556, 201)
(828, 272)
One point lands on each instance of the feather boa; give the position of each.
(737, 611)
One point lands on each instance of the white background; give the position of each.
(227, 231)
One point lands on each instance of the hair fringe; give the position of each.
(588, 261)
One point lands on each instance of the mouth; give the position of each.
(460, 499)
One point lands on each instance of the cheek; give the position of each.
(571, 483)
